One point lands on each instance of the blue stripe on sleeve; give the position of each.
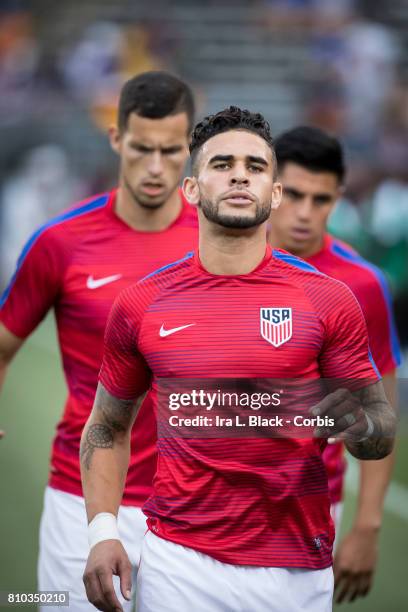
(166, 267)
(355, 258)
(295, 261)
(71, 214)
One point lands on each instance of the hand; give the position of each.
(350, 420)
(354, 564)
(106, 559)
(2, 433)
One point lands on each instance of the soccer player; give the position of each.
(311, 169)
(232, 524)
(76, 264)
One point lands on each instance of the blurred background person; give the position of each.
(312, 171)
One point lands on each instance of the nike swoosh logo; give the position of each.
(167, 332)
(95, 283)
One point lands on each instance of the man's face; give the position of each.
(308, 198)
(153, 153)
(234, 184)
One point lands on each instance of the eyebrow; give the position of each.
(300, 194)
(228, 158)
(297, 192)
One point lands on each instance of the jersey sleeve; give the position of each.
(34, 286)
(124, 372)
(379, 316)
(345, 353)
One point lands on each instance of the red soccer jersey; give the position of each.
(263, 502)
(77, 263)
(367, 282)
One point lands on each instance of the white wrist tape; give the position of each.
(102, 527)
(370, 429)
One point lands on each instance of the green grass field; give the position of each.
(29, 408)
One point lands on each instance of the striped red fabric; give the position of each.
(77, 264)
(260, 501)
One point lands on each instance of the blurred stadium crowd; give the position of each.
(339, 64)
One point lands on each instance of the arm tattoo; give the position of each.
(376, 406)
(115, 418)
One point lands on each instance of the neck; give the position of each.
(143, 218)
(231, 252)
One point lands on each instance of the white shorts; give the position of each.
(64, 547)
(174, 578)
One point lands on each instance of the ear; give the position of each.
(114, 138)
(276, 195)
(191, 190)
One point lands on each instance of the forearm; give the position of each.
(9, 345)
(375, 477)
(105, 452)
(374, 480)
(104, 464)
(3, 372)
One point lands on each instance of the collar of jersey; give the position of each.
(265, 261)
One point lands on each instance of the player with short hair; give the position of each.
(76, 264)
(311, 168)
(233, 524)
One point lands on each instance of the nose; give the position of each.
(304, 209)
(155, 165)
(239, 176)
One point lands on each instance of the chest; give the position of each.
(109, 261)
(255, 330)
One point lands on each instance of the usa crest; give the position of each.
(276, 325)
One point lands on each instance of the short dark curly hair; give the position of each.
(232, 118)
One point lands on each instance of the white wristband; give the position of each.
(370, 428)
(102, 527)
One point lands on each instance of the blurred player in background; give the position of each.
(76, 264)
(311, 170)
(232, 525)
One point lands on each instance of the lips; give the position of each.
(152, 188)
(239, 197)
(300, 233)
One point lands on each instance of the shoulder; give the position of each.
(304, 272)
(143, 292)
(168, 273)
(327, 294)
(78, 217)
(61, 229)
(362, 275)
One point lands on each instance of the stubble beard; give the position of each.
(211, 213)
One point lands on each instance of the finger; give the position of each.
(344, 588)
(330, 401)
(342, 417)
(339, 577)
(353, 421)
(125, 575)
(110, 601)
(355, 432)
(367, 583)
(361, 586)
(93, 590)
(2, 433)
